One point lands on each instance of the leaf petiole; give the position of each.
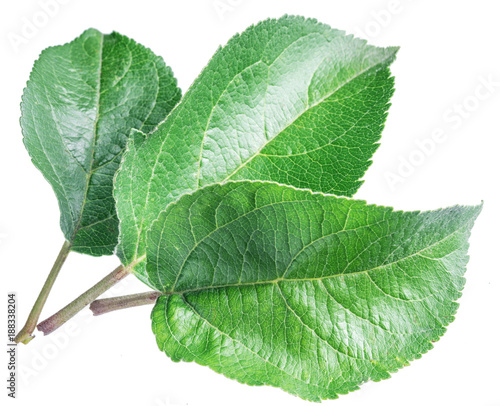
(103, 306)
(25, 335)
(62, 316)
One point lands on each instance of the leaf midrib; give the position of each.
(256, 209)
(284, 280)
(94, 139)
(306, 110)
(95, 129)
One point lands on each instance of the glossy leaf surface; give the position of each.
(79, 106)
(315, 294)
(289, 100)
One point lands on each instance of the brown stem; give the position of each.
(25, 334)
(102, 306)
(62, 316)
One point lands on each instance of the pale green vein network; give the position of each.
(78, 108)
(282, 81)
(360, 293)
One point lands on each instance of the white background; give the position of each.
(448, 49)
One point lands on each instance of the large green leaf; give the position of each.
(78, 108)
(288, 100)
(315, 294)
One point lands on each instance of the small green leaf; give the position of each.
(272, 285)
(78, 108)
(288, 100)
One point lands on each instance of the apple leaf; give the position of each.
(78, 109)
(271, 285)
(289, 100)
(228, 204)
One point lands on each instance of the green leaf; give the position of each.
(272, 285)
(78, 108)
(288, 100)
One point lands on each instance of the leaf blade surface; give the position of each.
(315, 294)
(78, 108)
(288, 100)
